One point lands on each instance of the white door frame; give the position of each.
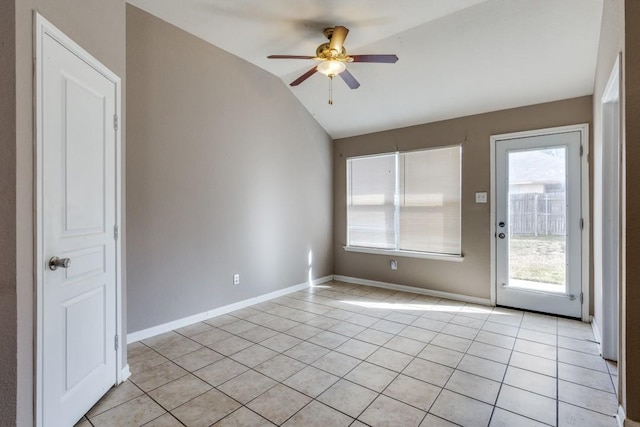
(584, 185)
(43, 27)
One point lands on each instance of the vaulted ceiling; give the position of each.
(457, 57)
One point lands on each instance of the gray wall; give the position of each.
(472, 276)
(99, 27)
(227, 173)
(7, 213)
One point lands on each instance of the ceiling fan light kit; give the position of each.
(333, 59)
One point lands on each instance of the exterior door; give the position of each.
(76, 172)
(538, 223)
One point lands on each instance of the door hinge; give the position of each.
(581, 150)
(115, 122)
(581, 298)
(116, 233)
(581, 224)
(116, 342)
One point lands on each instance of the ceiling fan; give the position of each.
(333, 59)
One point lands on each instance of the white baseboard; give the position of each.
(186, 321)
(429, 292)
(596, 334)
(125, 373)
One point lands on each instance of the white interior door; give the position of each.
(538, 223)
(77, 214)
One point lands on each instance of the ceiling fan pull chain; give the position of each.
(330, 90)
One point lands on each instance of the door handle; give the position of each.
(501, 235)
(56, 262)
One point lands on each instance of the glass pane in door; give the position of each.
(537, 209)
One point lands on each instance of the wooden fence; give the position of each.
(537, 214)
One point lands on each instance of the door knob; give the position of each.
(501, 235)
(56, 262)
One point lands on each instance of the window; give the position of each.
(407, 202)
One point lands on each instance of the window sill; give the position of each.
(406, 254)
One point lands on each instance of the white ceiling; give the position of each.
(457, 57)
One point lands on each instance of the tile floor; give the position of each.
(347, 355)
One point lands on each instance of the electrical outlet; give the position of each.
(394, 264)
(481, 197)
(236, 279)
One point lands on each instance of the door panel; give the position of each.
(538, 211)
(78, 327)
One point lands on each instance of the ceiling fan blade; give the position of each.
(349, 79)
(337, 38)
(289, 57)
(385, 59)
(303, 77)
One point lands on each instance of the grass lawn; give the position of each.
(538, 258)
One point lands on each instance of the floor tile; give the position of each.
(413, 392)
(464, 319)
(311, 381)
(460, 331)
(531, 381)
(498, 340)
(451, 342)
(407, 319)
(374, 336)
(418, 334)
(307, 352)
(482, 367)
(474, 386)
(588, 398)
(461, 410)
(136, 348)
(385, 411)
(502, 418)
(596, 363)
(280, 367)
(114, 397)
(223, 319)
(144, 361)
(390, 359)
(162, 339)
(160, 375)
(363, 320)
(220, 371)
(211, 336)
(279, 403)
(328, 339)
(247, 386)
(586, 377)
(205, 409)
(429, 323)
(533, 363)
(541, 337)
(243, 417)
(388, 326)
(441, 355)
(347, 329)
(135, 412)
(281, 324)
(536, 349)
(432, 421)
(371, 376)
(491, 352)
(322, 322)
(405, 345)
(177, 392)
(230, 345)
(254, 355)
(527, 404)
(177, 348)
(258, 334)
(198, 359)
(316, 414)
(166, 420)
(569, 416)
(356, 348)
(578, 345)
(303, 332)
(336, 363)
(348, 397)
(498, 328)
(430, 372)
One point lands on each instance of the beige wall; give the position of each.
(99, 27)
(472, 276)
(227, 173)
(631, 267)
(7, 214)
